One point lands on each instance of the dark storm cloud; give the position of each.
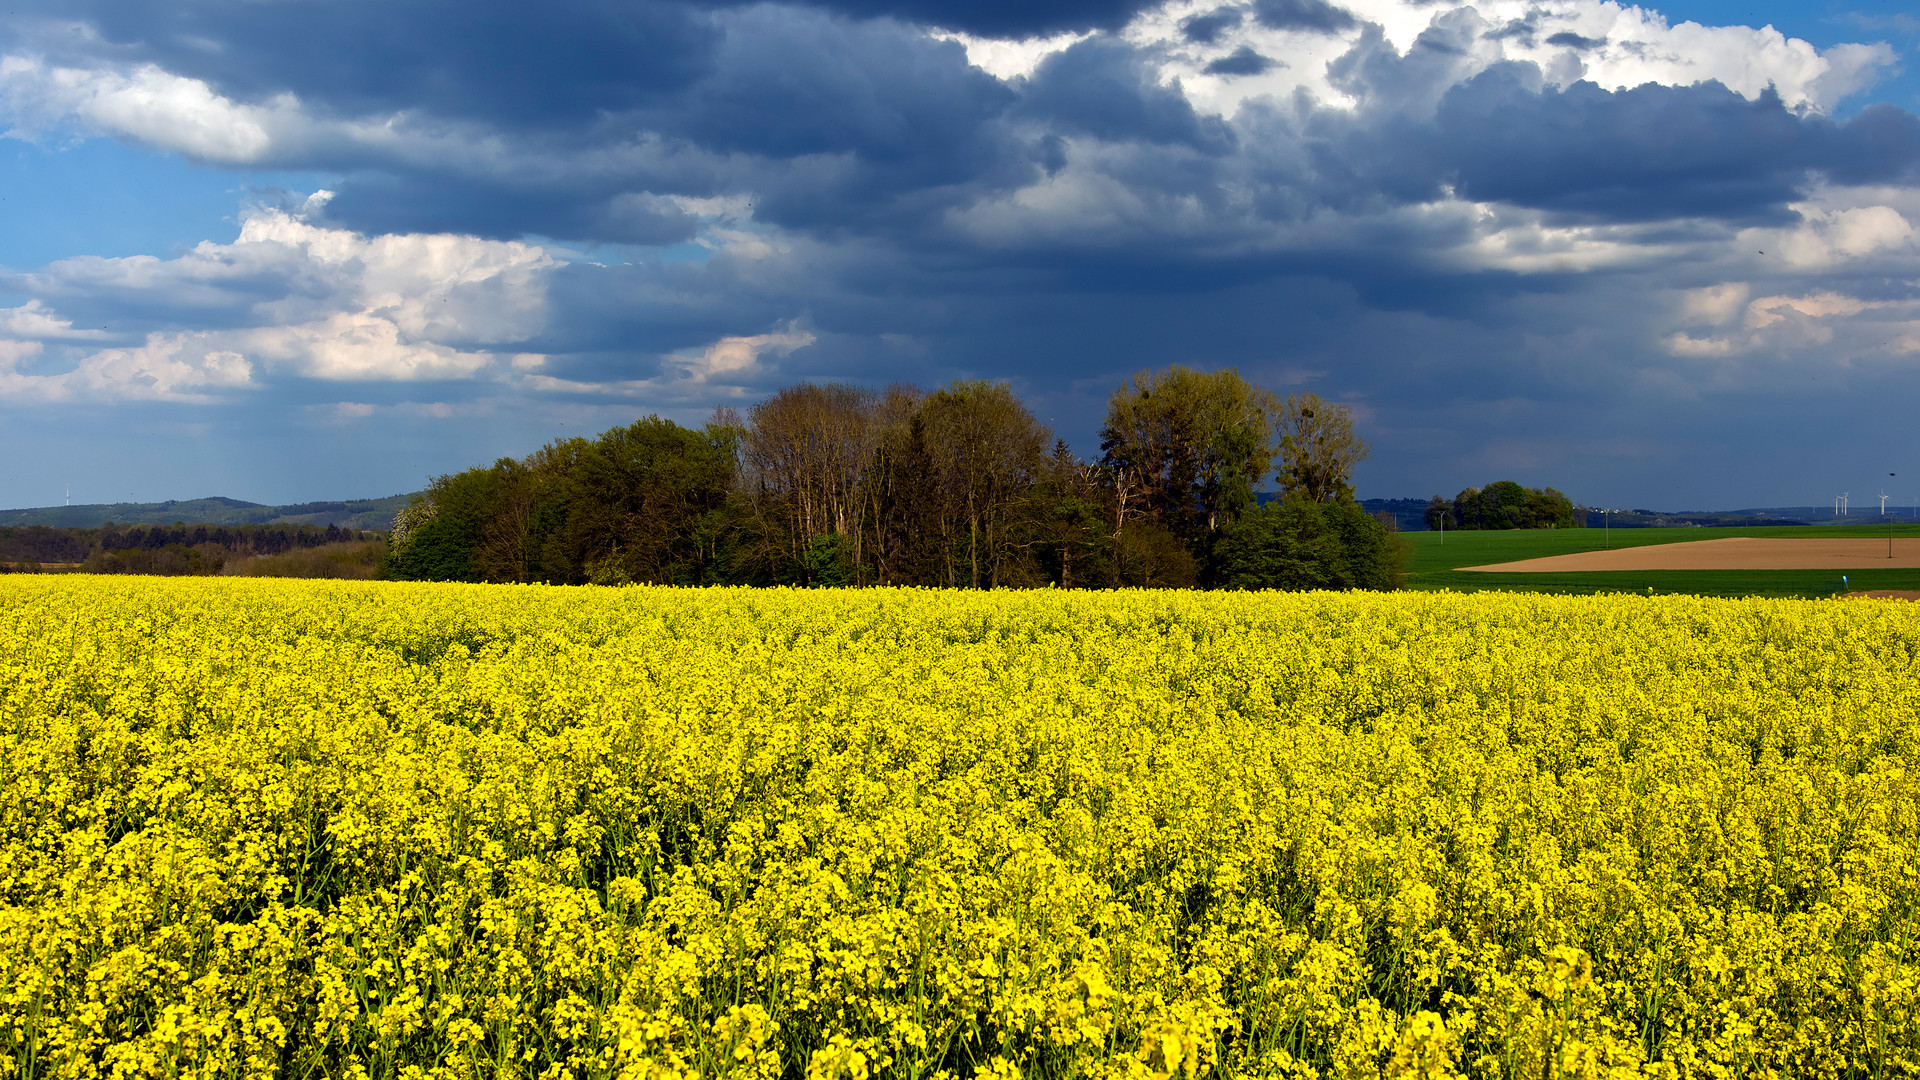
(385, 204)
(563, 63)
(1242, 61)
(1206, 29)
(1654, 152)
(1389, 83)
(1569, 39)
(831, 123)
(1648, 153)
(1521, 30)
(783, 81)
(788, 83)
(1318, 16)
(1001, 18)
(834, 123)
(1106, 89)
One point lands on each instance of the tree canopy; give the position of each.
(1503, 504)
(831, 484)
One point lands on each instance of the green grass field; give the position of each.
(1437, 559)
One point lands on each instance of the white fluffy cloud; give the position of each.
(731, 358)
(1607, 43)
(189, 367)
(311, 301)
(1821, 327)
(160, 109)
(35, 320)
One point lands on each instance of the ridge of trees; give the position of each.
(833, 484)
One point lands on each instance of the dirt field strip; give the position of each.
(1731, 553)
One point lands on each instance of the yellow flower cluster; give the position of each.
(275, 828)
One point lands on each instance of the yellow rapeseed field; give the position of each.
(272, 828)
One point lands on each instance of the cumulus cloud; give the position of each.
(149, 104)
(1827, 237)
(169, 367)
(295, 298)
(1823, 326)
(35, 320)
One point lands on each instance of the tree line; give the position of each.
(160, 549)
(834, 484)
(1503, 504)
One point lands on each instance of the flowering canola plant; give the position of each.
(274, 828)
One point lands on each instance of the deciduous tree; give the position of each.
(1184, 449)
(985, 448)
(1318, 449)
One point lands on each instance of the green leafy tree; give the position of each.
(636, 504)
(640, 495)
(1286, 545)
(1505, 504)
(1184, 449)
(1069, 516)
(1295, 543)
(1547, 508)
(438, 534)
(904, 507)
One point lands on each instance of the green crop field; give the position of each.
(1437, 559)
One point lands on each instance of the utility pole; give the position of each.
(1883, 513)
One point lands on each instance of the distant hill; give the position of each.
(350, 514)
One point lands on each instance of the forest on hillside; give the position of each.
(834, 484)
(162, 549)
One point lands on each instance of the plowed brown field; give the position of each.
(1731, 553)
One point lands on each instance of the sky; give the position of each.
(1654, 257)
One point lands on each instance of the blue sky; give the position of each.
(304, 250)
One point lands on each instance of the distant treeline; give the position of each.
(1503, 505)
(826, 485)
(159, 549)
(350, 514)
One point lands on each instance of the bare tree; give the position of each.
(803, 456)
(1318, 449)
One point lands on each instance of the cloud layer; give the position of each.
(1467, 217)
